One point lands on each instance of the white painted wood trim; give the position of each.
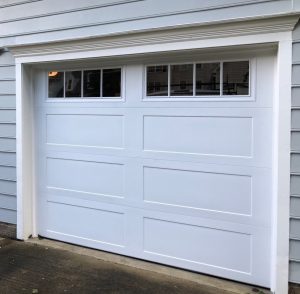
(25, 150)
(281, 174)
(156, 48)
(187, 32)
(25, 175)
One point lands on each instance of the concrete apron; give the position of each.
(204, 280)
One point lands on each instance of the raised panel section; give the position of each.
(85, 223)
(194, 244)
(203, 135)
(198, 189)
(104, 131)
(99, 178)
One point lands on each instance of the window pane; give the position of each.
(182, 80)
(55, 84)
(111, 83)
(208, 79)
(236, 78)
(91, 83)
(73, 84)
(157, 80)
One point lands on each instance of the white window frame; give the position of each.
(213, 98)
(82, 98)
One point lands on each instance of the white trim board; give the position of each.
(169, 36)
(26, 222)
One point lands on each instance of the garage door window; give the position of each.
(94, 83)
(213, 79)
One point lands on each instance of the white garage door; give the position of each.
(166, 162)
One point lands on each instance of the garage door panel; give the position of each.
(176, 180)
(193, 244)
(198, 190)
(198, 135)
(99, 178)
(237, 255)
(213, 136)
(90, 226)
(101, 131)
(233, 193)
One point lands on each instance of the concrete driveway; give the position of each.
(31, 268)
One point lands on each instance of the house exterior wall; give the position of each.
(7, 139)
(37, 21)
(295, 162)
(41, 21)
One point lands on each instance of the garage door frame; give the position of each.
(26, 199)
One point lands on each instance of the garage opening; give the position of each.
(161, 157)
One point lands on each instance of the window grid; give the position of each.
(194, 80)
(82, 85)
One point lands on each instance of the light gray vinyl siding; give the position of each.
(7, 139)
(27, 22)
(295, 163)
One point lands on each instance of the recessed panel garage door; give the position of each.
(166, 162)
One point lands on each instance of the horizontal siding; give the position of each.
(295, 206)
(52, 20)
(296, 96)
(8, 201)
(7, 144)
(295, 143)
(8, 216)
(294, 228)
(295, 163)
(295, 249)
(294, 272)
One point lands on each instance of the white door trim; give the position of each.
(26, 198)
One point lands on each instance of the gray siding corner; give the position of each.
(7, 139)
(295, 163)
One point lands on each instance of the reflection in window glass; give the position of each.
(182, 80)
(55, 84)
(73, 84)
(157, 80)
(91, 83)
(111, 82)
(236, 78)
(208, 79)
